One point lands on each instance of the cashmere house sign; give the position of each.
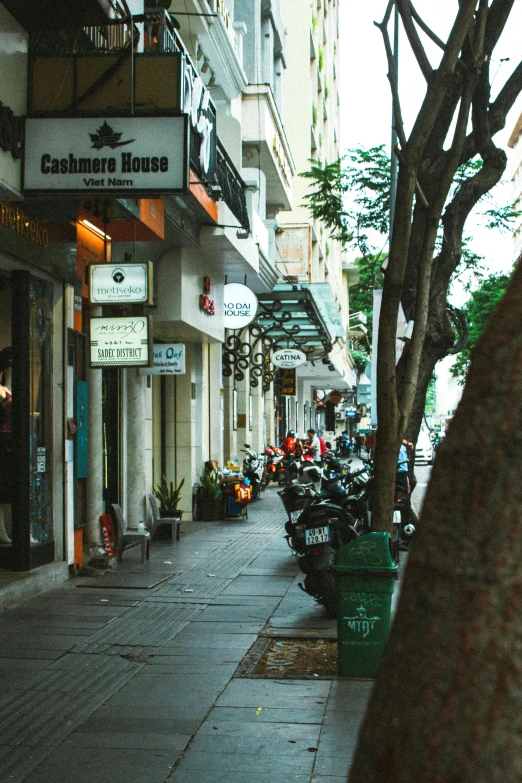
(131, 155)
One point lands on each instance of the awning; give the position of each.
(302, 315)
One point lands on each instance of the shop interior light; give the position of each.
(94, 228)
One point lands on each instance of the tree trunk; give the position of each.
(447, 705)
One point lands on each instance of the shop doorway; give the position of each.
(26, 422)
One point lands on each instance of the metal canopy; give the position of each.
(303, 316)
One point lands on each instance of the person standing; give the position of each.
(314, 446)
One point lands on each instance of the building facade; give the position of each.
(151, 161)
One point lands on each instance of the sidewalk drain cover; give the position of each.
(299, 658)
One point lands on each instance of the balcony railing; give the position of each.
(232, 187)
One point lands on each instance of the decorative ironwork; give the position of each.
(232, 187)
(272, 329)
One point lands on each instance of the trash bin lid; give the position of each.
(368, 552)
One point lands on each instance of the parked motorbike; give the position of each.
(253, 469)
(317, 527)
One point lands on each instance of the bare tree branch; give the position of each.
(498, 15)
(404, 7)
(392, 78)
(440, 82)
(424, 27)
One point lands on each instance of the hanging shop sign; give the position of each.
(131, 155)
(240, 306)
(168, 359)
(116, 283)
(206, 303)
(286, 381)
(121, 341)
(197, 105)
(288, 358)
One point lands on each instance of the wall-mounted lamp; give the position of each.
(204, 67)
(199, 52)
(94, 228)
(212, 80)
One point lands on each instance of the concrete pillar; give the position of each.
(258, 416)
(95, 453)
(187, 466)
(138, 452)
(216, 405)
(270, 416)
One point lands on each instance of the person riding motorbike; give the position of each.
(288, 446)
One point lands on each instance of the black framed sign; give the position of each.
(111, 155)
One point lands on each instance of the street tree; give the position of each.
(477, 312)
(447, 700)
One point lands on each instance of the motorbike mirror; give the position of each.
(247, 445)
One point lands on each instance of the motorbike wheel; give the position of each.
(281, 479)
(311, 583)
(327, 588)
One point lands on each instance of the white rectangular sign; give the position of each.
(109, 154)
(120, 342)
(113, 283)
(169, 359)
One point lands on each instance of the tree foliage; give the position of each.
(478, 311)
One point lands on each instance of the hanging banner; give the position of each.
(240, 306)
(288, 358)
(168, 359)
(120, 342)
(401, 332)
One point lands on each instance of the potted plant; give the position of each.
(209, 496)
(168, 496)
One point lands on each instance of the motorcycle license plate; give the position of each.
(317, 535)
(294, 515)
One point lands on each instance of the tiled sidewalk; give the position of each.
(136, 685)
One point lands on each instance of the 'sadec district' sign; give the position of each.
(120, 342)
(114, 283)
(288, 358)
(240, 306)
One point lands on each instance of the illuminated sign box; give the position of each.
(116, 283)
(113, 155)
(122, 341)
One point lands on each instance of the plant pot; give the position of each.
(209, 509)
(177, 514)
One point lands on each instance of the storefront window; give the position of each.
(40, 363)
(6, 417)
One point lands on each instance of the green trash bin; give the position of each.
(365, 576)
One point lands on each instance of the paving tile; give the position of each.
(258, 585)
(143, 739)
(287, 731)
(304, 715)
(85, 765)
(350, 695)
(211, 628)
(41, 641)
(135, 699)
(186, 640)
(274, 693)
(247, 762)
(256, 746)
(228, 614)
(158, 720)
(326, 764)
(233, 776)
